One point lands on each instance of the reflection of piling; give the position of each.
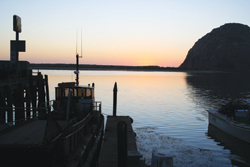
(115, 90)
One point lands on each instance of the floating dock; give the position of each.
(109, 151)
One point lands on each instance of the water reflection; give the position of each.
(213, 89)
(168, 108)
(235, 145)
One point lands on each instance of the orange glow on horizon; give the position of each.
(168, 57)
(121, 60)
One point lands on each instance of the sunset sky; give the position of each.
(131, 32)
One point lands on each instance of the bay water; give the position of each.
(169, 110)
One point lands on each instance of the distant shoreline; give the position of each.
(101, 67)
(48, 66)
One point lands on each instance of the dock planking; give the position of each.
(31, 134)
(109, 151)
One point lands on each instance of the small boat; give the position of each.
(232, 125)
(236, 146)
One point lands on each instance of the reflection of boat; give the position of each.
(230, 126)
(70, 135)
(235, 145)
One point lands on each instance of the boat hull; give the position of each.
(16, 148)
(233, 128)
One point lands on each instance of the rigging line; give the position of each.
(81, 41)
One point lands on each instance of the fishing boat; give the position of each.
(33, 132)
(70, 134)
(236, 125)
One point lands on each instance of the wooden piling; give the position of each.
(21, 96)
(2, 103)
(27, 102)
(47, 92)
(19, 102)
(41, 95)
(33, 94)
(9, 101)
(115, 90)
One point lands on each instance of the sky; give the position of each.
(112, 32)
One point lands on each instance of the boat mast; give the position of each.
(77, 60)
(77, 70)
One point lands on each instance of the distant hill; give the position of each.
(224, 48)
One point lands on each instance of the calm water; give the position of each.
(169, 109)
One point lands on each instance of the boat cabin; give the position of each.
(74, 100)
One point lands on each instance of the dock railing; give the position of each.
(28, 112)
(74, 136)
(98, 106)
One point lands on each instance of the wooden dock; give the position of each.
(109, 151)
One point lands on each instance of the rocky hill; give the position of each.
(224, 48)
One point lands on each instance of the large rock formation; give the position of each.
(224, 48)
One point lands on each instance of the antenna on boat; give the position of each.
(76, 38)
(77, 58)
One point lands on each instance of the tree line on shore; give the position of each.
(100, 67)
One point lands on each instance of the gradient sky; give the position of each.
(131, 32)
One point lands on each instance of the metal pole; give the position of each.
(115, 90)
(77, 69)
(17, 47)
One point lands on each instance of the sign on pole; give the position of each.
(21, 46)
(17, 26)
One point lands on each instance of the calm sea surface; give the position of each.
(169, 110)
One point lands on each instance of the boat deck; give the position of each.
(109, 153)
(30, 134)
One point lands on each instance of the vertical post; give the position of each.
(27, 107)
(77, 69)
(27, 101)
(17, 27)
(41, 95)
(32, 91)
(19, 102)
(2, 104)
(47, 93)
(17, 47)
(8, 90)
(122, 143)
(115, 90)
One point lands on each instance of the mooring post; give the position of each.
(122, 143)
(115, 90)
(41, 95)
(47, 93)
